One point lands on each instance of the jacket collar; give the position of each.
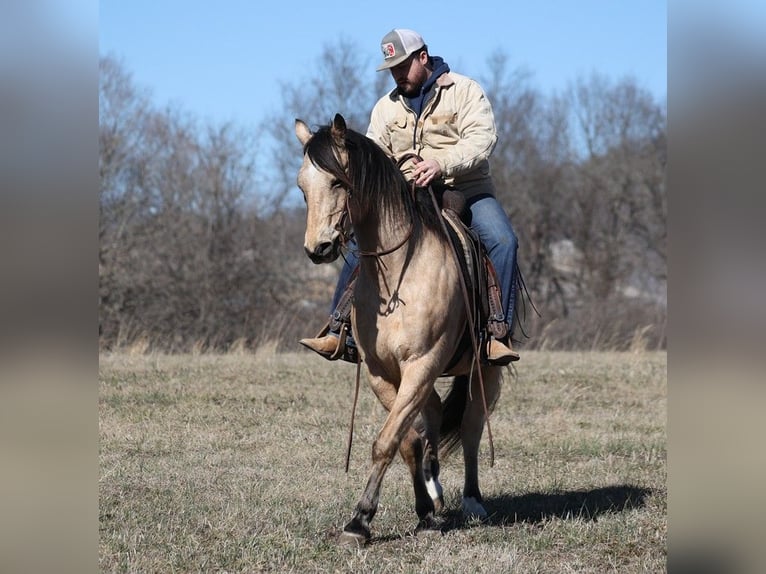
(442, 81)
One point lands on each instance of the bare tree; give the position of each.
(582, 176)
(201, 226)
(180, 261)
(621, 196)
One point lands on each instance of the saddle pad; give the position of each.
(468, 246)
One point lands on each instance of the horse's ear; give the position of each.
(339, 130)
(302, 131)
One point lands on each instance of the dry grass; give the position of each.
(234, 463)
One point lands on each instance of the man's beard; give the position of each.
(408, 93)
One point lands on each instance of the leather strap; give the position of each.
(341, 315)
(496, 324)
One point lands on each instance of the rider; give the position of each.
(447, 120)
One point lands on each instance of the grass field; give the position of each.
(235, 463)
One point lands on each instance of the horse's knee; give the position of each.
(383, 450)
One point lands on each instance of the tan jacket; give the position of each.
(456, 128)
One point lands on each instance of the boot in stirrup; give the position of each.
(333, 346)
(325, 346)
(335, 340)
(499, 353)
(328, 344)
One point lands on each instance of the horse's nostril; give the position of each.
(321, 252)
(323, 249)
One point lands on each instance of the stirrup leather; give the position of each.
(496, 324)
(340, 324)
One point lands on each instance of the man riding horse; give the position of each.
(446, 121)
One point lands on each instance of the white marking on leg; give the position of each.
(434, 488)
(472, 508)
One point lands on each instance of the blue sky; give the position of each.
(224, 61)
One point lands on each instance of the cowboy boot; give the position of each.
(333, 345)
(499, 350)
(325, 345)
(500, 353)
(334, 341)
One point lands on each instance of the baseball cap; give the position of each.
(397, 46)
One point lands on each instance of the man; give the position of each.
(446, 119)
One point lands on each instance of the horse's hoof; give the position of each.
(352, 540)
(473, 510)
(438, 504)
(429, 527)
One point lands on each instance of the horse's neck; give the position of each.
(378, 235)
(380, 228)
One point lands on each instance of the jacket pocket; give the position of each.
(440, 130)
(400, 130)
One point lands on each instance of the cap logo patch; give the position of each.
(389, 51)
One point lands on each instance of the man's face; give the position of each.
(411, 74)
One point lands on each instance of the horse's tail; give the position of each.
(453, 407)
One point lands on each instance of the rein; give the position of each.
(466, 300)
(353, 412)
(363, 253)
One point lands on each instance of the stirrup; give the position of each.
(506, 359)
(345, 349)
(338, 353)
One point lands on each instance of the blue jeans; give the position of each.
(345, 274)
(490, 222)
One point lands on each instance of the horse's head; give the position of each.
(323, 181)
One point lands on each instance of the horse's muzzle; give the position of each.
(325, 252)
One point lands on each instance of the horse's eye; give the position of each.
(336, 183)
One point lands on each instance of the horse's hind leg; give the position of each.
(412, 451)
(429, 429)
(470, 435)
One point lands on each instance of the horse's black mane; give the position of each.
(374, 179)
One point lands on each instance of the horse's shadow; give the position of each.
(537, 508)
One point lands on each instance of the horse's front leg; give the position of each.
(410, 398)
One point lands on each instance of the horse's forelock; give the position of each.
(319, 150)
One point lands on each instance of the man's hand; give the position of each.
(426, 172)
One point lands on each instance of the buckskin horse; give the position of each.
(409, 317)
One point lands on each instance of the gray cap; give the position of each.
(398, 45)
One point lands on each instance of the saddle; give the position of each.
(479, 275)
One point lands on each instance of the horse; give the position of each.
(409, 317)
